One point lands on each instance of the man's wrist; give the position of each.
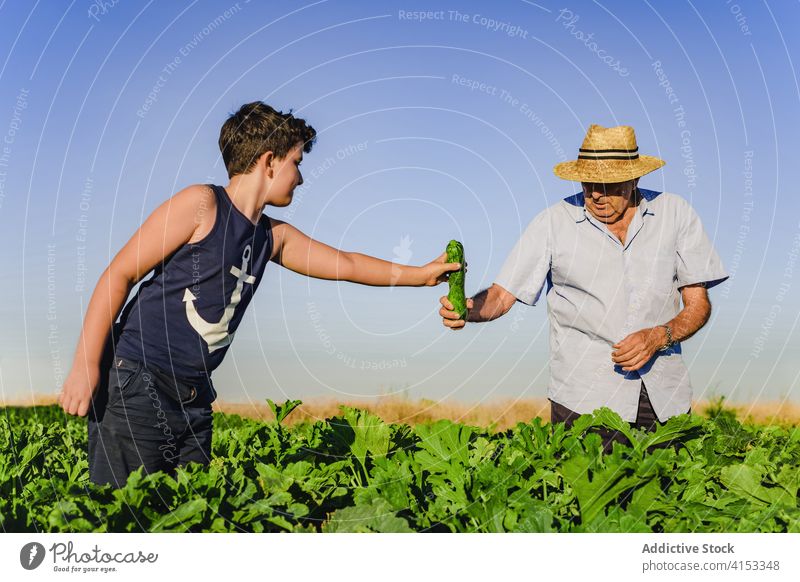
(666, 336)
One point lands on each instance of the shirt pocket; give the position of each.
(661, 276)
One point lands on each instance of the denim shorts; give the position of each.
(143, 417)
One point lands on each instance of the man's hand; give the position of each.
(76, 394)
(438, 270)
(449, 317)
(638, 348)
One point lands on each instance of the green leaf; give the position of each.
(182, 517)
(528, 515)
(444, 446)
(281, 411)
(596, 487)
(376, 517)
(607, 418)
(371, 436)
(677, 428)
(272, 479)
(746, 481)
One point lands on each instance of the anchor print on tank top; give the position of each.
(216, 333)
(184, 317)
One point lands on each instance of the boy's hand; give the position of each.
(76, 394)
(449, 317)
(438, 270)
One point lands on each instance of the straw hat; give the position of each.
(608, 154)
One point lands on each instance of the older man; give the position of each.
(617, 260)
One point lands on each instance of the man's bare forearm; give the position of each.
(104, 306)
(487, 305)
(689, 321)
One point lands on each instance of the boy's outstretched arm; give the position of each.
(302, 254)
(169, 227)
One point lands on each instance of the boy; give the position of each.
(146, 381)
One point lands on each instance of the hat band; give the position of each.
(586, 154)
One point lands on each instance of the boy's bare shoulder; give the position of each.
(281, 233)
(200, 200)
(274, 224)
(186, 216)
(278, 229)
(193, 199)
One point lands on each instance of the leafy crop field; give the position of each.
(353, 472)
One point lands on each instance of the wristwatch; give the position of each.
(670, 342)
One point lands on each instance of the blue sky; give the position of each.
(429, 129)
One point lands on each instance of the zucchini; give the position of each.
(455, 254)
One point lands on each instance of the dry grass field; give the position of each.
(502, 414)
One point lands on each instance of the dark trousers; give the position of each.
(645, 418)
(140, 417)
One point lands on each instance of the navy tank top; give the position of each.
(183, 319)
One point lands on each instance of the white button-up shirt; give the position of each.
(600, 290)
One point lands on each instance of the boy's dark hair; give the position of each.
(256, 129)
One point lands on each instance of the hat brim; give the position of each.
(607, 171)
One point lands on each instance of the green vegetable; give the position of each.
(455, 254)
